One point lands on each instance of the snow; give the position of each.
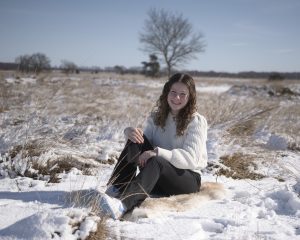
(35, 209)
(213, 89)
(24, 80)
(277, 142)
(117, 82)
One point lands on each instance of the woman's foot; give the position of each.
(112, 207)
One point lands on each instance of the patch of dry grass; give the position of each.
(62, 164)
(286, 121)
(242, 118)
(85, 198)
(29, 149)
(90, 199)
(226, 109)
(225, 80)
(102, 232)
(250, 123)
(238, 166)
(5, 93)
(243, 128)
(36, 169)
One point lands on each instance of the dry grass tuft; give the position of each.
(111, 160)
(38, 169)
(294, 146)
(102, 232)
(5, 93)
(60, 165)
(285, 121)
(88, 198)
(29, 149)
(225, 109)
(248, 123)
(243, 128)
(51, 169)
(218, 109)
(238, 166)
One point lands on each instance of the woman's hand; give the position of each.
(134, 134)
(145, 156)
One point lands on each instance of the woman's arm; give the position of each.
(149, 127)
(193, 153)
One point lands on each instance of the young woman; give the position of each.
(169, 152)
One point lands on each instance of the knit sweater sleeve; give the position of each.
(149, 128)
(193, 154)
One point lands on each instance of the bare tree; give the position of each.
(36, 63)
(39, 62)
(23, 62)
(171, 36)
(119, 69)
(68, 66)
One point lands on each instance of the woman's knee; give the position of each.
(157, 162)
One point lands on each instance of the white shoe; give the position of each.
(112, 207)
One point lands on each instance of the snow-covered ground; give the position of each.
(82, 120)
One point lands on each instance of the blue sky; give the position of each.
(241, 35)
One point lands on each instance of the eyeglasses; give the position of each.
(182, 96)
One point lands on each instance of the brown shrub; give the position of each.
(238, 166)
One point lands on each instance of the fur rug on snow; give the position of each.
(153, 207)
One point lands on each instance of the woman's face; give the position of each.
(178, 97)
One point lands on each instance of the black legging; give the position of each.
(158, 176)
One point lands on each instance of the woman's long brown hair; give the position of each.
(162, 108)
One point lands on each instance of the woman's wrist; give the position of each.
(155, 150)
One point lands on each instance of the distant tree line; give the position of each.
(8, 66)
(36, 63)
(248, 74)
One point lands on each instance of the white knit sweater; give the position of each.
(187, 151)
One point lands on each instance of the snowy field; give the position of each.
(61, 135)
